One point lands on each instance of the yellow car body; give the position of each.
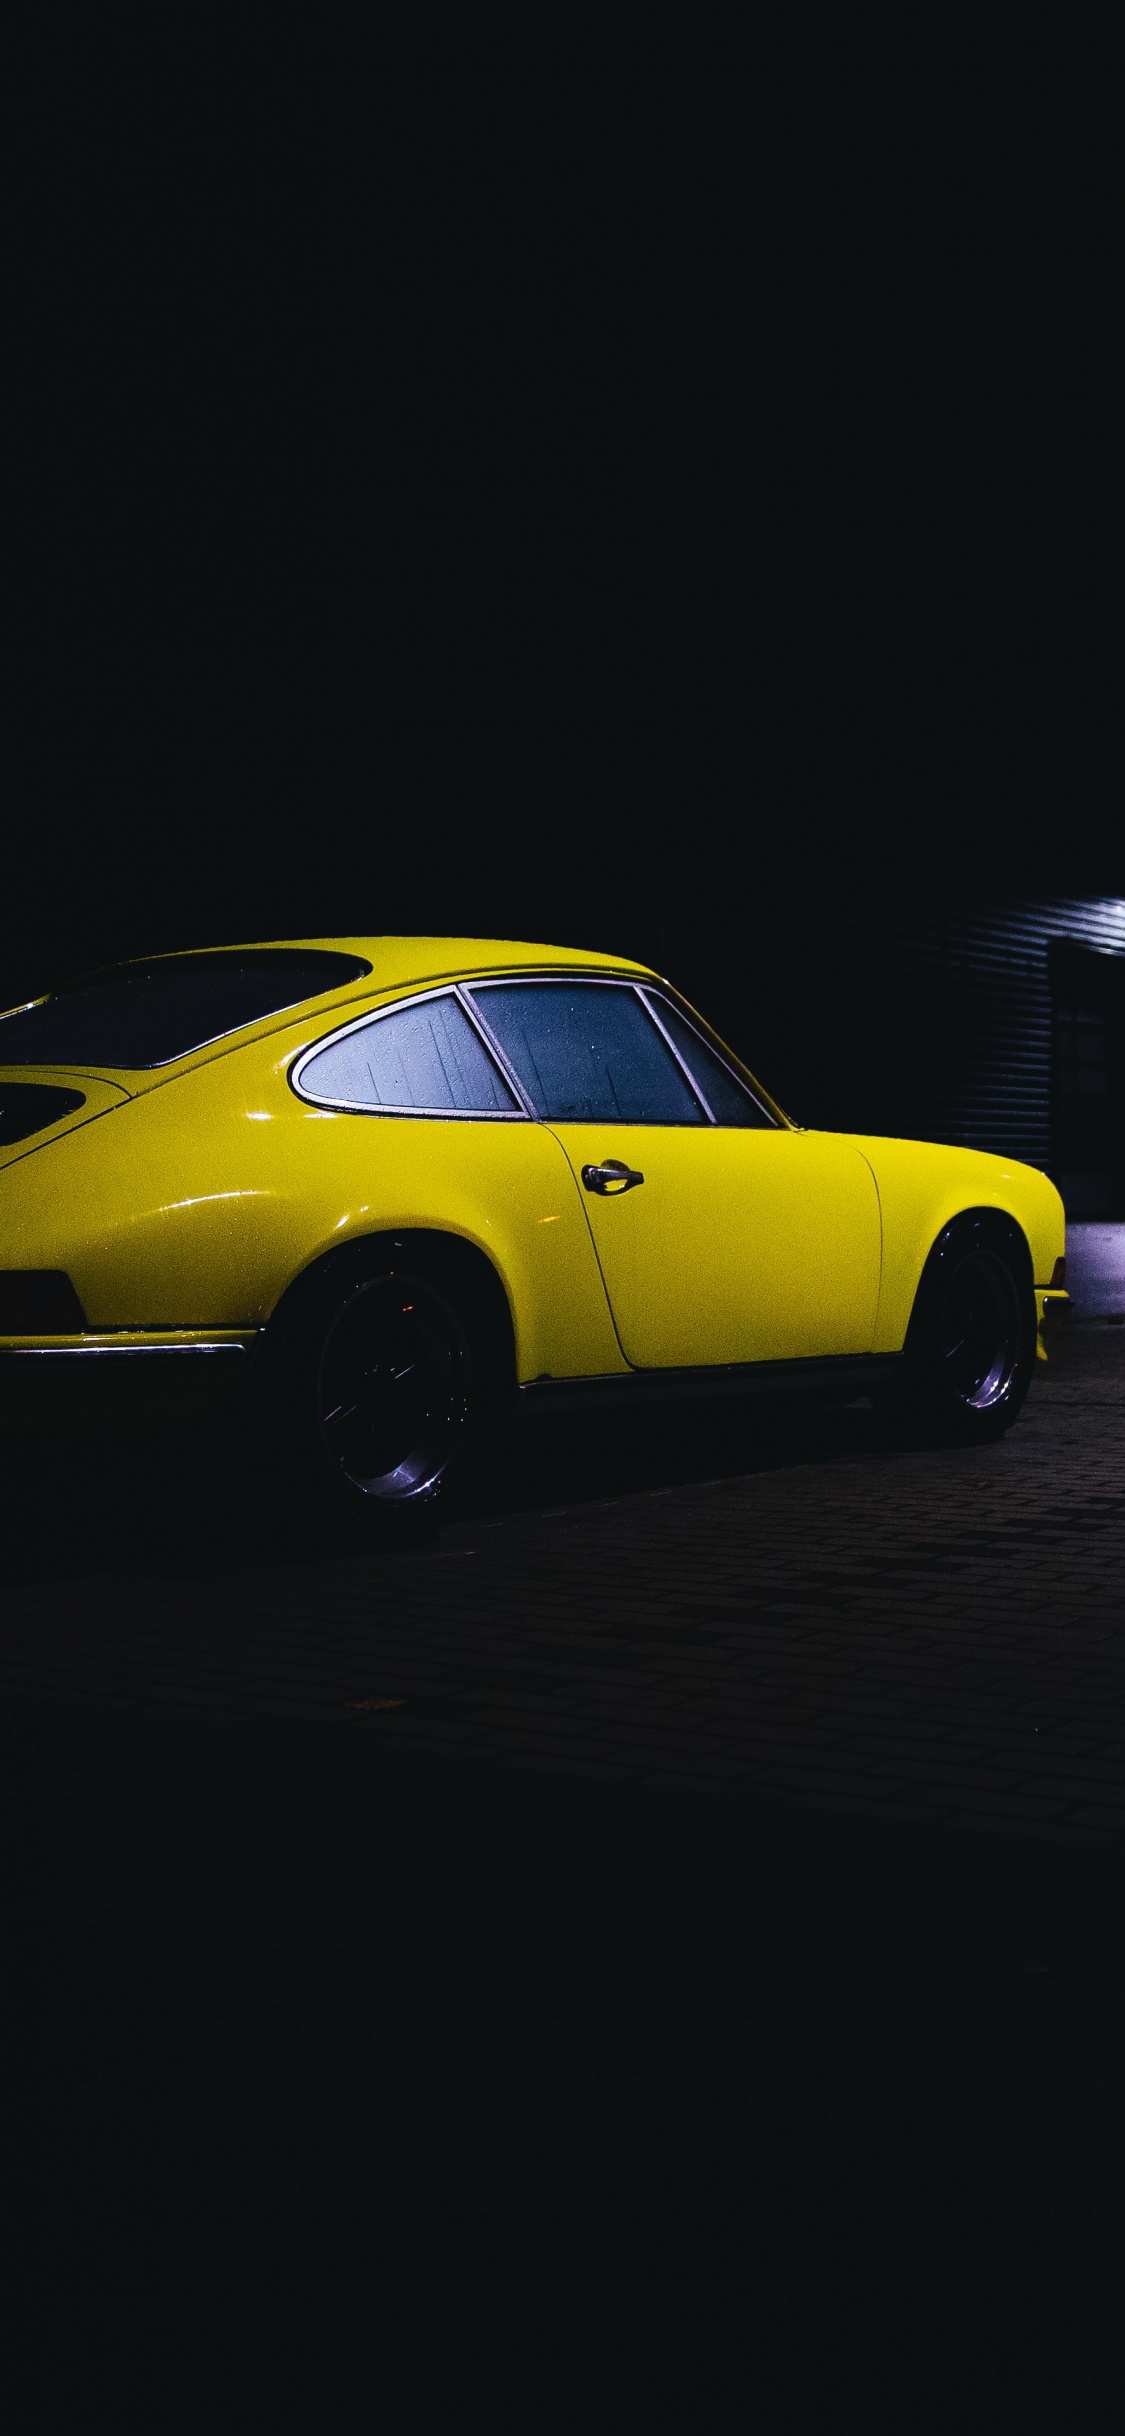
(183, 1200)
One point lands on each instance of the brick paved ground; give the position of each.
(816, 1620)
(651, 1960)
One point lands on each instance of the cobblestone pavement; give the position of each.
(775, 1606)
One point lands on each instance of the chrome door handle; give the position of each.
(611, 1177)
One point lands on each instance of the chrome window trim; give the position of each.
(645, 991)
(462, 991)
(383, 1108)
(611, 981)
(666, 1037)
(650, 996)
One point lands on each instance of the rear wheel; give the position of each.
(970, 1349)
(385, 1372)
(394, 1389)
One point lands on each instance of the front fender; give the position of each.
(921, 1186)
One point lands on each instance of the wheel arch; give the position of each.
(438, 1253)
(990, 1219)
(923, 1188)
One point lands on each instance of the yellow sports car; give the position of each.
(397, 1182)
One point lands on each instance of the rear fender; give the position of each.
(208, 1197)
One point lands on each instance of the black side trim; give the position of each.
(821, 1373)
(38, 1302)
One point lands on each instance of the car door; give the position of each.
(723, 1234)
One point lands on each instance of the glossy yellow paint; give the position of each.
(191, 1196)
(741, 1246)
(211, 1194)
(1050, 1307)
(99, 1096)
(398, 966)
(922, 1185)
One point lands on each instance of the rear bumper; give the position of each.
(130, 1379)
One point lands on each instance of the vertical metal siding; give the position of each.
(929, 1017)
(957, 1027)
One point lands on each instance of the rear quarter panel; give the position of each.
(196, 1204)
(921, 1186)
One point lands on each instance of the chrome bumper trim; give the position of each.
(114, 1353)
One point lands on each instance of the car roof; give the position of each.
(399, 960)
(397, 963)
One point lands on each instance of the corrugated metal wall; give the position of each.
(930, 1017)
(960, 1048)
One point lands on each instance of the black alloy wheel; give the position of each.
(970, 1348)
(394, 1389)
(981, 1331)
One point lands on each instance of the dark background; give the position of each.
(656, 487)
(641, 486)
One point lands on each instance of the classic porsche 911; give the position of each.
(394, 1185)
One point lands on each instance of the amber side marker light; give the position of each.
(1058, 1273)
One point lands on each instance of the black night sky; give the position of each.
(556, 481)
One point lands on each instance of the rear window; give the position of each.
(150, 1014)
(27, 1108)
(423, 1059)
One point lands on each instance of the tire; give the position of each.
(385, 1367)
(969, 1355)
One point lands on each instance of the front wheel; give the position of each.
(970, 1348)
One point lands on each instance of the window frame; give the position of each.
(652, 999)
(384, 1108)
(650, 994)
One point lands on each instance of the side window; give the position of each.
(587, 1052)
(728, 1100)
(425, 1057)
